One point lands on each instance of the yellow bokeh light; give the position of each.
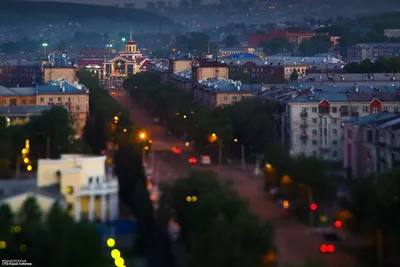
(3, 244)
(110, 242)
(184, 116)
(146, 148)
(125, 130)
(23, 247)
(119, 262)
(115, 253)
(27, 146)
(323, 218)
(285, 204)
(188, 199)
(235, 140)
(24, 151)
(150, 141)
(17, 229)
(116, 118)
(29, 168)
(194, 198)
(26, 160)
(286, 179)
(187, 144)
(268, 166)
(142, 135)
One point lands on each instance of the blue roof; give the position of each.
(319, 97)
(244, 55)
(60, 87)
(375, 118)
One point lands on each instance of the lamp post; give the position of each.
(123, 43)
(142, 137)
(109, 46)
(242, 155)
(45, 45)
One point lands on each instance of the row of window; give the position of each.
(365, 109)
(325, 131)
(335, 154)
(13, 102)
(334, 142)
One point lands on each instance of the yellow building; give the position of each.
(81, 183)
(31, 100)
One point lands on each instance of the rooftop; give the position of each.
(371, 45)
(55, 87)
(350, 77)
(223, 85)
(376, 119)
(282, 61)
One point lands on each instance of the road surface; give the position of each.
(296, 242)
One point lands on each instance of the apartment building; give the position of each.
(73, 96)
(315, 120)
(350, 79)
(359, 52)
(212, 93)
(392, 33)
(20, 73)
(372, 144)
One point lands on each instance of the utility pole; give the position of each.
(219, 152)
(243, 157)
(48, 147)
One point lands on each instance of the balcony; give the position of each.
(323, 110)
(303, 114)
(303, 125)
(106, 187)
(303, 136)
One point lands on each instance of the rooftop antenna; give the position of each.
(208, 47)
(130, 35)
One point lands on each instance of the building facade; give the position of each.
(372, 144)
(73, 96)
(315, 120)
(373, 51)
(88, 188)
(20, 73)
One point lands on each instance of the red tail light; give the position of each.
(324, 248)
(331, 248)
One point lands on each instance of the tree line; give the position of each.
(101, 130)
(381, 65)
(46, 239)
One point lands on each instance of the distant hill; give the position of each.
(37, 9)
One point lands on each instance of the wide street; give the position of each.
(294, 240)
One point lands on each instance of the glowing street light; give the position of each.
(24, 151)
(119, 262)
(115, 253)
(235, 140)
(142, 136)
(285, 204)
(26, 160)
(110, 242)
(123, 39)
(184, 116)
(116, 118)
(29, 168)
(45, 45)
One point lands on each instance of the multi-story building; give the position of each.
(20, 72)
(349, 79)
(212, 93)
(226, 52)
(373, 51)
(294, 38)
(82, 184)
(73, 96)
(392, 33)
(372, 144)
(315, 120)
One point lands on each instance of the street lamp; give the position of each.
(45, 45)
(123, 43)
(109, 46)
(142, 136)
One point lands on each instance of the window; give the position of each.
(365, 109)
(303, 109)
(23, 101)
(334, 142)
(97, 180)
(334, 131)
(314, 121)
(50, 99)
(325, 120)
(395, 109)
(314, 132)
(90, 180)
(41, 99)
(32, 101)
(234, 97)
(334, 121)
(314, 142)
(334, 110)
(59, 99)
(70, 206)
(314, 110)
(385, 108)
(77, 108)
(334, 154)
(69, 99)
(225, 98)
(4, 102)
(375, 110)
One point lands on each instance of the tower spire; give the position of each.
(130, 35)
(208, 47)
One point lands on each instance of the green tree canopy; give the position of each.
(231, 40)
(277, 45)
(314, 45)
